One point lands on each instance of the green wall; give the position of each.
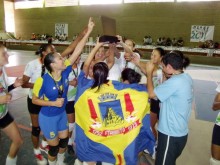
(2, 16)
(133, 20)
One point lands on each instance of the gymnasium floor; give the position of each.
(196, 152)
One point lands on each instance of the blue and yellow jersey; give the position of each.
(112, 123)
(45, 88)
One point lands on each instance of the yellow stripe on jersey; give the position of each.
(37, 86)
(67, 62)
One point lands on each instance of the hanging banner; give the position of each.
(61, 29)
(200, 33)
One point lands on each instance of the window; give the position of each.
(142, 1)
(9, 16)
(57, 3)
(99, 2)
(25, 4)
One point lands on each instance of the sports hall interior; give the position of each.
(134, 21)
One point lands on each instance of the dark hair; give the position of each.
(130, 75)
(100, 74)
(161, 51)
(186, 60)
(41, 49)
(48, 60)
(176, 59)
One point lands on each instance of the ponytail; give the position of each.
(100, 74)
(176, 59)
(42, 49)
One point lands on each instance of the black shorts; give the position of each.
(70, 107)
(155, 106)
(216, 135)
(6, 120)
(33, 108)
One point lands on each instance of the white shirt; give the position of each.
(158, 78)
(124, 64)
(71, 94)
(3, 91)
(33, 70)
(114, 72)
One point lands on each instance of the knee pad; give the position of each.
(53, 150)
(214, 161)
(71, 127)
(63, 142)
(35, 131)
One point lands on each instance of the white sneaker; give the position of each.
(40, 159)
(44, 149)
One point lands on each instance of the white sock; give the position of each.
(70, 141)
(73, 136)
(60, 158)
(52, 162)
(11, 161)
(44, 143)
(214, 161)
(37, 151)
(71, 129)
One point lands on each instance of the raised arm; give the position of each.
(126, 48)
(81, 44)
(116, 52)
(73, 45)
(110, 60)
(90, 57)
(150, 86)
(136, 60)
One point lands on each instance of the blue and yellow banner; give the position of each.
(113, 123)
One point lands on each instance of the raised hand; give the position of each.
(120, 38)
(150, 67)
(135, 59)
(127, 56)
(91, 24)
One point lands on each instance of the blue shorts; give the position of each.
(51, 125)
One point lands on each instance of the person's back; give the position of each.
(115, 117)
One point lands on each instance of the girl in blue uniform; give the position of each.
(50, 92)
